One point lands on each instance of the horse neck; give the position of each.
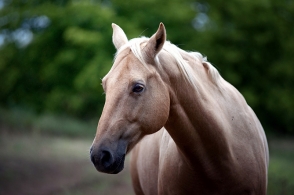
(195, 120)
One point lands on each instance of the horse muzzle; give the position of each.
(107, 160)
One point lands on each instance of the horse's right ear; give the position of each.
(119, 37)
(156, 42)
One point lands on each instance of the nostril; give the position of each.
(106, 158)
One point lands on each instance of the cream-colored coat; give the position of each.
(209, 142)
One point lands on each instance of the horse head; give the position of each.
(137, 101)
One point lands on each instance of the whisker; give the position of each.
(143, 31)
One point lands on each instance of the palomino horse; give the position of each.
(191, 131)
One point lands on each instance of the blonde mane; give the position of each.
(136, 47)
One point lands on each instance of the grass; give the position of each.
(42, 165)
(47, 154)
(37, 164)
(23, 121)
(28, 154)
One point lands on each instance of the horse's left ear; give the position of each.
(119, 37)
(155, 43)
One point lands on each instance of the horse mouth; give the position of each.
(120, 166)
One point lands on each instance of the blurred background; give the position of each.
(54, 53)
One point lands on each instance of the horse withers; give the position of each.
(189, 131)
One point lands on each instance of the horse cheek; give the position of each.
(160, 111)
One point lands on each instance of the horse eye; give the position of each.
(138, 88)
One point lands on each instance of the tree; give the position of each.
(60, 69)
(251, 42)
(54, 53)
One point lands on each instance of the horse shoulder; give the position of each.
(248, 143)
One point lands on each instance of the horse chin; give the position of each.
(120, 166)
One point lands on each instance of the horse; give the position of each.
(188, 130)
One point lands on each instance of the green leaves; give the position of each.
(80, 37)
(60, 70)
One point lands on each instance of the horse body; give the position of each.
(211, 143)
(221, 150)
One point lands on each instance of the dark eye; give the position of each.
(138, 88)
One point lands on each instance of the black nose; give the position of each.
(102, 160)
(109, 157)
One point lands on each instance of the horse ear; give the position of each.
(156, 42)
(119, 37)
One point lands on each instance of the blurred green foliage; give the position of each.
(281, 171)
(20, 121)
(54, 53)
